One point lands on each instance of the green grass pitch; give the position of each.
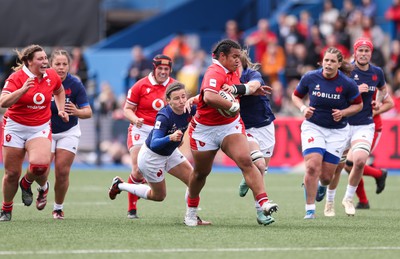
(96, 227)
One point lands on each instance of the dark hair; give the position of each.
(225, 46)
(60, 52)
(25, 55)
(175, 86)
(346, 67)
(161, 59)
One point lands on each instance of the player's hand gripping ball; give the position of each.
(231, 98)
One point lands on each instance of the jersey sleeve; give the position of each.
(253, 75)
(10, 85)
(353, 92)
(213, 81)
(381, 78)
(81, 98)
(302, 87)
(160, 136)
(134, 94)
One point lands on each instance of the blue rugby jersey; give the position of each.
(374, 78)
(327, 94)
(255, 110)
(75, 93)
(167, 122)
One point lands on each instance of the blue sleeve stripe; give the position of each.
(84, 105)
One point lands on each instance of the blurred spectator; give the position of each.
(331, 41)
(177, 49)
(368, 8)
(291, 33)
(327, 18)
(139, 67)
(233, 32)
(189, 74)
(193, 70)
(9, 61)
(394, 61)
(341, 34)
(277, 96)
(355, 24)
(369, 30)
(393, 14)
(298, 62)
(106, 100)
(288, 108)
(79, 66)
(291, 62)
(115, 148)
(272, 62)
(347, 11)
(260, 39)
(304, 25)
(314, 46)
(283, 28)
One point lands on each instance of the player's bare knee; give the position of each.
(159, 197)
(38, 169)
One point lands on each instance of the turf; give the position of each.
(96, 227)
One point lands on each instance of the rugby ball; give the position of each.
(231, 98)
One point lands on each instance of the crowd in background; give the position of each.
(285, 50)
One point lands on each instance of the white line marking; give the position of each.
(200, 250)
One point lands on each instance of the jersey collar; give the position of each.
(154, 82)
(30, 74)
(219, 64)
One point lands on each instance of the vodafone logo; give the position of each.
(157, 104)
(38, 98)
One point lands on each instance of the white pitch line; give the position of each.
(199, 250)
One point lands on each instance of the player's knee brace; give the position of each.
(349, 163)
(38, 169)
(256, 155)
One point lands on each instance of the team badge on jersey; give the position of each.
(157, 125)
(213, 82)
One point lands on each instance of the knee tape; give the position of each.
(38, 169)
(361, 146)
(343, 159)
(256, 155)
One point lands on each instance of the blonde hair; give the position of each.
(26, 55)
(60, 52)
(246, 60)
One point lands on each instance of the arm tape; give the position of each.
(242, 89)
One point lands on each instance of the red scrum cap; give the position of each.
(363, 42)
(161, 59)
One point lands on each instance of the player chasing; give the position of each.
(333, 97)
(160, 154)
(371, 83)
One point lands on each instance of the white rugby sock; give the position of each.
(330, 195)
(350, 191)
(139, 190)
